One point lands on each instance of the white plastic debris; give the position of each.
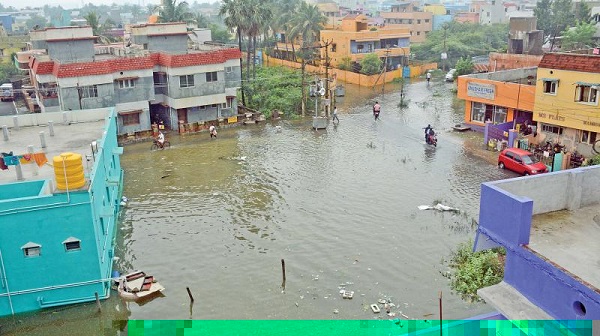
(439, 206)
(375, 308)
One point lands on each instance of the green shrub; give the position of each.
(473, 271)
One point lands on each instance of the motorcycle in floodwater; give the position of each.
(432, 140)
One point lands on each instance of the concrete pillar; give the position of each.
(486, 131)
(19, 172)
(51, 127)
(33, 164)
(43, 139)
(16, 122)
(5, 132)
(574, 188)
(65, 119)
(512, 136)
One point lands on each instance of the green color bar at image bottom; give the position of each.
(360, 327)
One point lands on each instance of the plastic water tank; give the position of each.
(68, 171)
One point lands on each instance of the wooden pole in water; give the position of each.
(189, 293)
(440, 313)
(98, 302)
(283, 272)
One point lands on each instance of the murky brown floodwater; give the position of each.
(339, 205)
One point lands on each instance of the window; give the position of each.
(426, 20)
(126, 83)
(131, 119)
(499, 115)
(32, 249)
(418, 33)
(186, 81)
(586, 94)
(228, 69)
(214, 105)
(588, 137)
(552, 129)
(203, 107)
(418, 21)
(550, 86)
(333, 47)
(72, 244)
(477, 112)
(211, 76)
(89, 91)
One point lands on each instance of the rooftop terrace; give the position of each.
(75, 136)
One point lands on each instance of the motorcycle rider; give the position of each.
(427, 129)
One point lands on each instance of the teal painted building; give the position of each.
(56, 247)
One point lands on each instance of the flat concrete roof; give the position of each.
(74, 138)
(571, 239)
(511, 303)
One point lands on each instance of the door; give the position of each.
(182, 115)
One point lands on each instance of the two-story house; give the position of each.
(354, 39)
(566, 99)
(153, 78)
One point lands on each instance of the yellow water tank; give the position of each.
(68, 171)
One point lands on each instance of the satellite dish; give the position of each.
(322, 91)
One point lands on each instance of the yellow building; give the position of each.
(407, 15)
(566, 100)
(435, 9)
(354, 39)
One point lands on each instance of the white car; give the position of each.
(450, 75)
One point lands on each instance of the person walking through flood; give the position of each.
(376, 110)
(335, 116)
(213, 131)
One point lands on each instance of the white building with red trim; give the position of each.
(156, 76)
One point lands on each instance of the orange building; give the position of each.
(498, 97)
(466, 17)
(355, 39)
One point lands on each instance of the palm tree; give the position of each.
(171, 11)
(258, 14)
(307, 24)
(234, 19)
(285, 11)
(94, 21)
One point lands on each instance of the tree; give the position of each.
(371, 64)
(201, 20)
(583, 12)
(219, 34)
(543, 15)
(462, 40)
(36, 21)
(94, 21)
(306, 25)
(580, 37)
(234, 19)
(345, 63)
(464, 66)
(171, 11)
(7, 70)
(553, 17)
(563, 18)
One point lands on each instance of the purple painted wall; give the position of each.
(503, 217)
(506, 219)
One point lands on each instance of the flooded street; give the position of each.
(338, 205)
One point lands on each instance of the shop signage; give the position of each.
(487, 91)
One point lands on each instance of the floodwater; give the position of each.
(338, 205)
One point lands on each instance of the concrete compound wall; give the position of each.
(569, 190)
(37, 119)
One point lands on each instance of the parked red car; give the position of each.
(520, 161)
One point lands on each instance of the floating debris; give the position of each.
(382, 301)
(348, 294)
(335, 311)
(297, 305)
(375, 308)
(391, 314)
(439, 207)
